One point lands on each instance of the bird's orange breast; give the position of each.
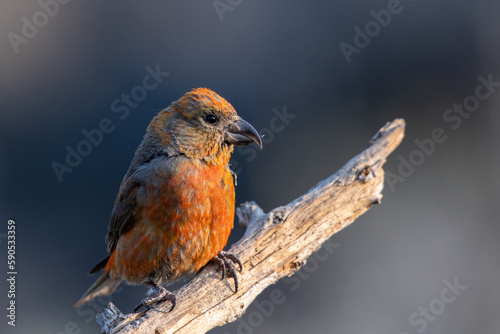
(184, 217)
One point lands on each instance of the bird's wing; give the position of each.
(124, 212)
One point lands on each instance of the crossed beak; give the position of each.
(242, 133)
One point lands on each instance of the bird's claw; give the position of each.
(161, 295)
(225, 264)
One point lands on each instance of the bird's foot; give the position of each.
(160, 294)
(225, 264)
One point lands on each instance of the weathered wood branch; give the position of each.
(275, 245)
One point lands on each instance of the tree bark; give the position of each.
(275, 245)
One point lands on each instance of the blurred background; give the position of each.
(319, 79)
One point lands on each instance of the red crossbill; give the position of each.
(175, 207)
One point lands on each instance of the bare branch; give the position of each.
(275, 245)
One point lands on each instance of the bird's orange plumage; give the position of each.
(185, 221)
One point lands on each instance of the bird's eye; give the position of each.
(212, 119)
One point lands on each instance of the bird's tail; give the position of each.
(104, 286)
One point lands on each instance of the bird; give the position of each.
(175, 206)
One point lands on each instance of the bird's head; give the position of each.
(202, 125)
